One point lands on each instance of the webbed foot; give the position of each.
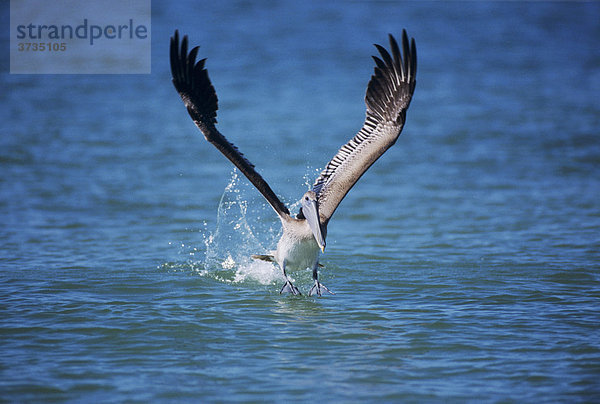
(319, 288)
(289, 288)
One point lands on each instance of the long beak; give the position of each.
(311, 213)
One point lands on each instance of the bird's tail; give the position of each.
(264, 257)
(270, 258)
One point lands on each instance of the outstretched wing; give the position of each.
(388, 96)
(198, 94)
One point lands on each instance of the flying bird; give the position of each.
(388, 96)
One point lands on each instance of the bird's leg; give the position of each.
(288, 286)
(318, 287)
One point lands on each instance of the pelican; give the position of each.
(303, 238)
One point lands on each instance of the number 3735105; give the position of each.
(42, 46)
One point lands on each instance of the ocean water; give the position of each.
(466, 262)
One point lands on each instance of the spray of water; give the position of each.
(237, 236)
(245, 225)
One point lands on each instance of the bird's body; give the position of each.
(297, 248)
(303, 238)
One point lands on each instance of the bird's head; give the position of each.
(310, 212)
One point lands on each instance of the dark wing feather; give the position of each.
(198, 94)
(388, 96)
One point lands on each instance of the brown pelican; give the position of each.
(388, 96)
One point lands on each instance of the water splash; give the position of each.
(245, 226)
(237, 236)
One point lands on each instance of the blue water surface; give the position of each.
(465, 262)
